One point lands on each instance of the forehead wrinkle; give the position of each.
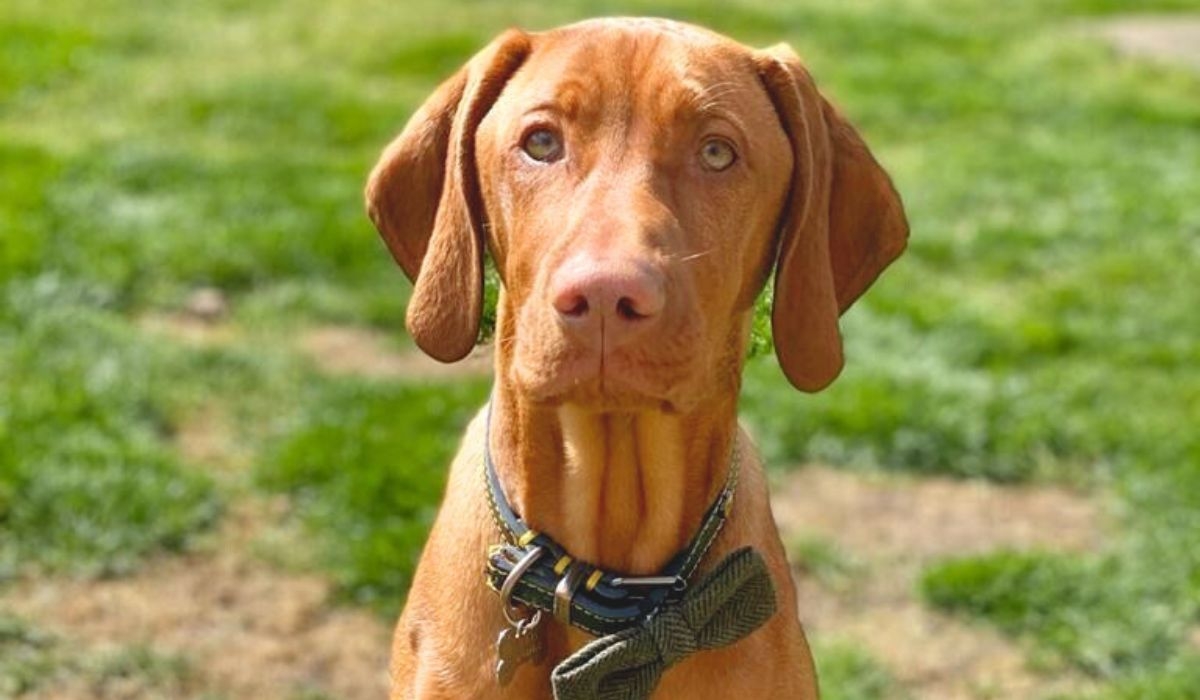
(701, 99)
(566, 97)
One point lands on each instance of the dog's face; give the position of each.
(635, 181)
(633, 178)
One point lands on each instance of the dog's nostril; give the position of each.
(627, 311)
(576, 308)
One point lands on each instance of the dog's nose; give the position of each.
(623, 295)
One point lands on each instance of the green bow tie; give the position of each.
(730, 603)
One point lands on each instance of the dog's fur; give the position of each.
(615, 445)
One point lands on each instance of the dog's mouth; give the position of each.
(608, 383)
(604, 397)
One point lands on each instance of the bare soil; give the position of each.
(892, 526)
(189, 329)
(245, 628)
(1173, 38)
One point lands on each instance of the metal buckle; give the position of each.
(510, 583)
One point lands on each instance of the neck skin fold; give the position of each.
(623, 491)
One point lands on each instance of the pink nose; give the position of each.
(623, 296)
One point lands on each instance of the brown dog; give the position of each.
(636, 181)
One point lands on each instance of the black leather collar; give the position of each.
(596, 601)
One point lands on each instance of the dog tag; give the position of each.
(516, 646)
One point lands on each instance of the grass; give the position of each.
(1085, 609)
(368, 462)
(1039, 327)
(87, 479)
(32, 660)
(824, 560)
(846, 672)
(26, 660)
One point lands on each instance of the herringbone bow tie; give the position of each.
(730, 603)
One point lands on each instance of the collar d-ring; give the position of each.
(510, 583)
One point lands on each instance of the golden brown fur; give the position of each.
(616, 448)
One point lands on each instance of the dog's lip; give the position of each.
(584, 382)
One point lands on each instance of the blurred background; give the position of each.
(219, 454)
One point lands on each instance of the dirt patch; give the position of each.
(1174, 38)
(188, 329)
(207, 439)
(200, 321)
(919, 519)
(893, 526)
(246, 629)
(346, 350)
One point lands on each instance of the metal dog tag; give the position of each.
(518, 645)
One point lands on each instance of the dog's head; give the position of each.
(636, 181)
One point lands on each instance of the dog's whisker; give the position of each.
(694, 256)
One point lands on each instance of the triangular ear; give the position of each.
(423, 196)
(843, 225)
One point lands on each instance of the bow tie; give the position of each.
(735, 599)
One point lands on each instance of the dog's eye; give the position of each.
(542, 145)
(717, 154)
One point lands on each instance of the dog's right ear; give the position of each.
(423, 197)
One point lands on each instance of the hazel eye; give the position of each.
(717, 154)
(542, 145)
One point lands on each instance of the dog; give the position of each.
(636, 182)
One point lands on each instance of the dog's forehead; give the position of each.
(635, 57)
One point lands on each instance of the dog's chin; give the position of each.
(604, 390)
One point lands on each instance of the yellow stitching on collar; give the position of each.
(562, 564)
(594, 579)
(526, 538)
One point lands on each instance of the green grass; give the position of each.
(25, 657)
(87, 479)
(825, 560)
(846, 672)
(1040, 326)
(366, 465)
(32, 660)
(1087, 610)
(1178, 681)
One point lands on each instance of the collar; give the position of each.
(530, 568)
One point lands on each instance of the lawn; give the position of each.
(1044, 326)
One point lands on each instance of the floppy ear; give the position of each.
(843, 224)
(423, 196)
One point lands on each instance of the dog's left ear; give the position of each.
(843, 225)
(423, 196)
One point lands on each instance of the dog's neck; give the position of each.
(624, 491)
